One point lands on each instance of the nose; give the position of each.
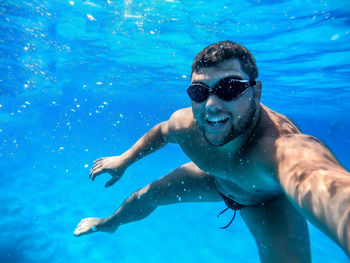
(213, 103)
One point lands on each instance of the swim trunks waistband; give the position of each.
(230, 204)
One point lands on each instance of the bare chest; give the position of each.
(247, 176)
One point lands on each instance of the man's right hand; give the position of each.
(114, 165)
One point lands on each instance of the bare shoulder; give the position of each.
(283, 124)
(181, 120)
(180, 124)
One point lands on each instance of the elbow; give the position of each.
(164, 132)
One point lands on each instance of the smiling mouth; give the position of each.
(217, 121)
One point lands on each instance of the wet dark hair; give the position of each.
(224, 50)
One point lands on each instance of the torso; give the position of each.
(248, 174)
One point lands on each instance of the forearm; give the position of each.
(323, 194)
(147, 144)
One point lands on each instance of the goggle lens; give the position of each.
(198, 92)
(226, 89)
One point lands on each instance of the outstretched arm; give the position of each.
(186, 183)
(153, 140)
(317, 183)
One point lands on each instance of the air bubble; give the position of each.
(335, 37)
(91, 18)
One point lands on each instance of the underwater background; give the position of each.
(84, 79)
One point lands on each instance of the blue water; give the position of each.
(85, 79)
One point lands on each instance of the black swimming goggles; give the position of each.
(227, 89)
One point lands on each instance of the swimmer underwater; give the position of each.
(243, 153)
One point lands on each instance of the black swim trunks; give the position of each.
(230, 204)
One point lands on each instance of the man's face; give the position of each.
(222, 121)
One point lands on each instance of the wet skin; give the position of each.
(249, 153)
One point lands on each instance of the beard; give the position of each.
(236, 132)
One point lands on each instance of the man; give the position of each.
(244, 153)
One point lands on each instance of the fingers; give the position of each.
(103, 165)
(84, 227)
(81, 232)
(96, 170)
(99, 159)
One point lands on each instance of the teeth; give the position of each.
(216, 118)
(216, 121)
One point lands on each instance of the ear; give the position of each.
(257, 91)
